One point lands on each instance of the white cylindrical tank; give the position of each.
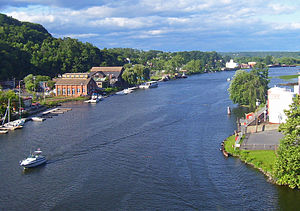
(279, 100)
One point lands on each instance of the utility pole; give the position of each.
(20, 99)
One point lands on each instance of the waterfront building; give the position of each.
(251, 64)
(113, 75)
(296, 87)
(231, 64)
(75, 84)
(279, 100)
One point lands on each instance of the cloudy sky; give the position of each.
(168, 25)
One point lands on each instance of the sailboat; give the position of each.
(11, 125)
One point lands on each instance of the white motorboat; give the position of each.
(149, 84)
(121, 93)
(37, 119)
(33, 160)
(124, 91)
(94, 99)
(127, 91)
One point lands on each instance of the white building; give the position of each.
(297, 87)
(279, 100)
(231, 64)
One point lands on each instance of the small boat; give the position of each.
(120, 93)
(37, 119)
(228, 79)
(128, 91)
(33, 160)
(149, 84)
(228, 110)
(3, 131)
(94, 99)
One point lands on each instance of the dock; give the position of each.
(54, 112)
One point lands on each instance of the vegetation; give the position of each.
(136, 74)
(28, 48)
(287, 168)
(288, 77)
(260, 159)
(287, 58)
(248, 87)
(55, 101)
(14, 101)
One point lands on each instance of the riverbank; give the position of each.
(263, 160)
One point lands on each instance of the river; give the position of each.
(155, 149)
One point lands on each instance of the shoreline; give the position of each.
(252, 158)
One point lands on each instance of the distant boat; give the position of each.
(149, 84)
(228, 79)
(94, 99)
(33, 160)
(37, 119)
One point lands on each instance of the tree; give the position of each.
(246, 88)
(287, 165)
(136, 74)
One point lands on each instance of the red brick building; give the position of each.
(75, 84)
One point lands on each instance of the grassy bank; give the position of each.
(264, 160)
(55, 101)
(288, 77)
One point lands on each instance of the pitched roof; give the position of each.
(107, 69)
(113, 71)
(73, 81)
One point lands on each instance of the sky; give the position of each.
(168, 25)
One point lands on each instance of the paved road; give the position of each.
(267, 140)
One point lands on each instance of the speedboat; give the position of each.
(33, 160)
(37, 119)
(149, 84)
(94, 99)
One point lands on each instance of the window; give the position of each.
(78, 90)
(83, 90)
(64, 91)
(58, 91)
(73, 91)
(68, 91)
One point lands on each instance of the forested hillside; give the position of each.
(28, 48)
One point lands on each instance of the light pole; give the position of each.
(256, 113)
(20, 98)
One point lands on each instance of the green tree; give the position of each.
(246, 88)
(287, 165)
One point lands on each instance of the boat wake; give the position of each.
(65, 155)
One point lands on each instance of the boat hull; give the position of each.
(34, 164)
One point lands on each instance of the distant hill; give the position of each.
(275, 54)
(29, 48)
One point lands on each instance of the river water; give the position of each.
(155, 149)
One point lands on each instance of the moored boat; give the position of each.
(33, 160)
(37, 119)
(149, 84)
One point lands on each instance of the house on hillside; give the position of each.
(231, 64)
(111, 74)
(75, 84)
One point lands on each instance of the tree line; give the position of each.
(28, 48)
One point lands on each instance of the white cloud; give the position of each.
(148, 19)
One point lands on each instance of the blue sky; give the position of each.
(168, 25)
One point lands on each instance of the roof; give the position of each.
(72, 81)
(97, 73)
(107, 69)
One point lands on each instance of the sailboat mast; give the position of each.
(8, 107)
